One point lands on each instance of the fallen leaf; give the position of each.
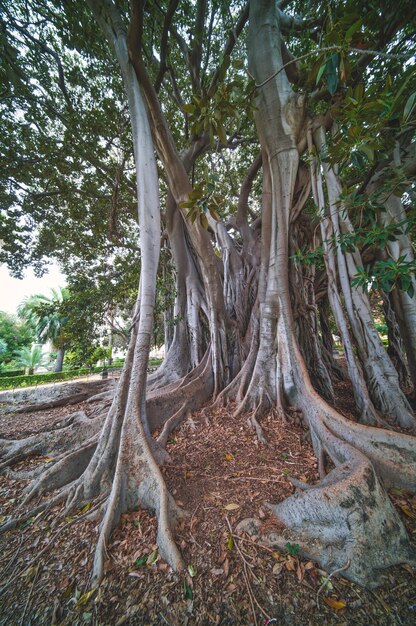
(277, 568)
(335, 604)
(217, 572)
(232, 506)
(86, 507)
(31, 571)
(85, 597)
(229, 457)
(153, 557)
(290, 565)
(407, 568)
(309, 565)
(407, 511)
(134, 575)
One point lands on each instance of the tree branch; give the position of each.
(164, 43)
(228, 48)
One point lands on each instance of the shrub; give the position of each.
(7, 373)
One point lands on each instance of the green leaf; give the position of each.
(203, 220)
(332, 73)
(221, 133)
(187, 591)
(141, 561)
(188, 108)
(230, 543)
(85, 597)
(191, 570)
(368, 151)
(352, 30)
(320, 72)
(409, 106)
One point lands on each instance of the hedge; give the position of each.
(8, 373)
(39, 379)
(14, 382)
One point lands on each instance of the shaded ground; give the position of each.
(220, 474)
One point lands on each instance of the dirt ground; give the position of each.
(220, 475)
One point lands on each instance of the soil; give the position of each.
(220, 474)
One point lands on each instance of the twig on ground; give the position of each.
(29, 597)
(327, 578)
(12, 560)
(50, 544)
(247, 581)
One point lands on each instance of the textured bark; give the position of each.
(59, 360)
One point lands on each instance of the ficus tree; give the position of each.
(260, 166)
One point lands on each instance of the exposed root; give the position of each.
(172, 423)
(104, 396)
(346, 516)
(62, 473)
(51, 442)
(259, 431)
(53, 404)
(80, 393)
(44, 506)
(194, 389)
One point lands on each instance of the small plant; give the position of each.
(293, 548)
(326, 583)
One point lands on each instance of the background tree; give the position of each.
(46, 316)
(14, 335)
(29, 358)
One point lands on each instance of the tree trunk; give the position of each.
(59, 360)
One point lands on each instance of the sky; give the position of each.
(13, 290)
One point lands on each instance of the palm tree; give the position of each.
(29, 358)
(46, 317)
